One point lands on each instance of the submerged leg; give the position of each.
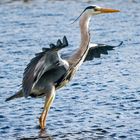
(48, 101)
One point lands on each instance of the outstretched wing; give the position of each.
(96, 50)
(42, 62)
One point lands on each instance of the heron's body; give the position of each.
(48, 71)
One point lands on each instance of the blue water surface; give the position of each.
(102, 101)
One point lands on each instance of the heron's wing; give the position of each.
(42, 62)
(96, 50)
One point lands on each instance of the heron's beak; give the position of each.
(107, 10)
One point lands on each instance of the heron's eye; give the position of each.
(95, 9)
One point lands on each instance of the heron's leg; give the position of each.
(48, 101)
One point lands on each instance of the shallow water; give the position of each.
(102, 101)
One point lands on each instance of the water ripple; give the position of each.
(103, 99)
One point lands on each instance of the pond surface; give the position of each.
(102, 101)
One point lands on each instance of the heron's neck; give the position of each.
(80, 54)
(84, 28)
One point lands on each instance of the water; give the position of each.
(102, 101)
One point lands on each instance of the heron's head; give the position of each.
(95, 10)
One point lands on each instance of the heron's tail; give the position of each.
(17, 95)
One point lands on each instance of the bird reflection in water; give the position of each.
(42, 135)
(95, 133)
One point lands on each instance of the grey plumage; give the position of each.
(45, 61)
(17, 95)
(98, 49)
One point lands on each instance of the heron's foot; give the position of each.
(42, 122)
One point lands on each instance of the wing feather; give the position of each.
(42, 62)
(96, 50)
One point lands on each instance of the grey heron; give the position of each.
(48, 71)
